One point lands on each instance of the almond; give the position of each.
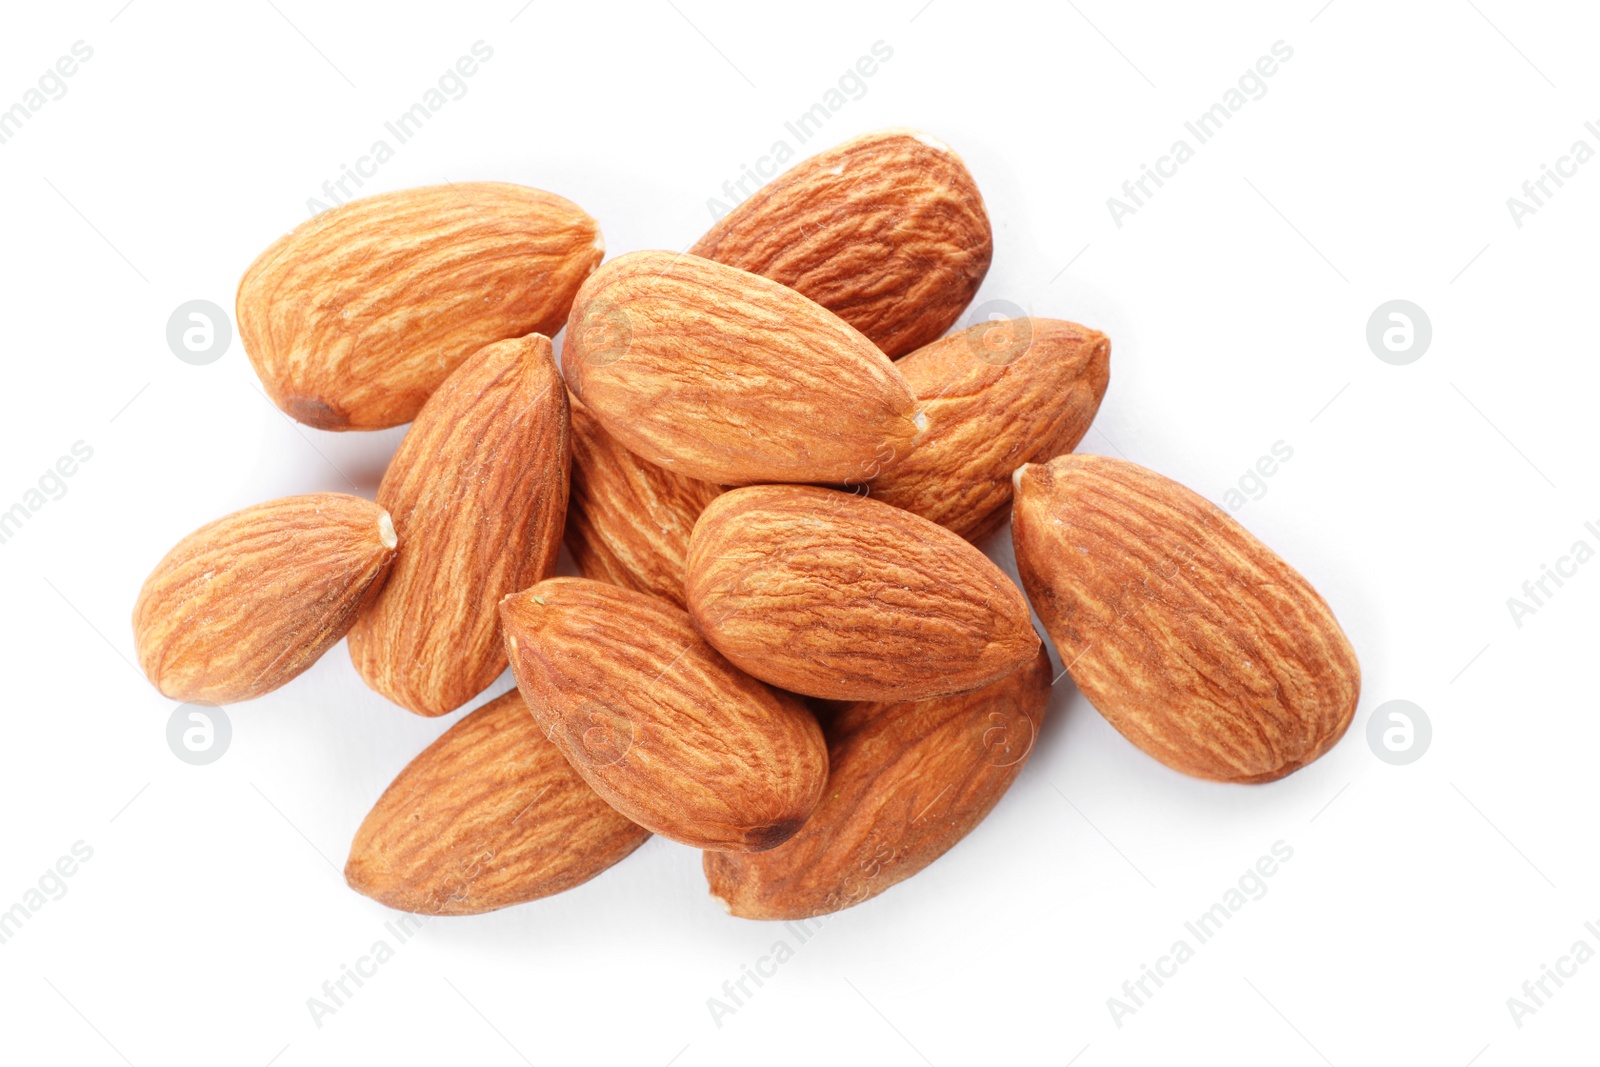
(995, 396)
(489, 815)
(478, 491)
(244, 604)
(726, 377)
(906, 781)
(1190, 636)
(355, 317)
(659, 724)
(838, 596)
(628, 521)
(887, 231)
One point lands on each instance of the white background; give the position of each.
(1419, 498)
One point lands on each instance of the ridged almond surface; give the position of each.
(478, 491)
(243, 604)
(887, 231)
(996, 396)
(664, 728)
(838, 596)
(489, 815)
(724, 376)
(354, 318)
(628, 521)
(1190, 636)
(906, 781)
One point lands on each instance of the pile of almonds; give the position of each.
(771, 466)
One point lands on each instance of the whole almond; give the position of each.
(887, 231)
(478, 491)
(489, 815)
(838, 596)
(628, 521)
(664, 728)
(244, 604)
(353, 318)
(1190, 636)
(995, 396)
(906, 781)
(724, 376)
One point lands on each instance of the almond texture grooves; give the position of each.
(887, 231)
(838, 596)
(657, 722)
(1190, 636)
(906, 782)
(246, 603)
(724, 376)
(353, 318)
(478, 492)
(489, 815)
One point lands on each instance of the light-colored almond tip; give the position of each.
(723, 904)
(1016, 476)
(386, 531)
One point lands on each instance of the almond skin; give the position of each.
(478, 491)
(995, 396)
(906, 781)
(887, 231)
(834, 595)
(628, 521)
(489, 815)
(659, 724)
(354, 318)
(246, 603)
(1190, 636)
(726, 377)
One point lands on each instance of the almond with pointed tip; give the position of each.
(246, 603)
(995, 396)
(887, 231)
(478, 491)
(835, 595)
(657, 722)
(730, 378)
(628, 521)
(1191, 637)
(489, 815)
(906, 782)
(357, 315)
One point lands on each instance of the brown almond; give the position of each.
(659, 724)
(628, 521)
(906, 781)
(726, 377)
(489, 815)
(1190, 636)
(838, 596)
(244, 604)
(478, 492)
(887, 231)
(995, 396)
(353, 318)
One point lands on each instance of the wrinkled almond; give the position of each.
(1190, 636)
(664, 728)
(244, 604)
